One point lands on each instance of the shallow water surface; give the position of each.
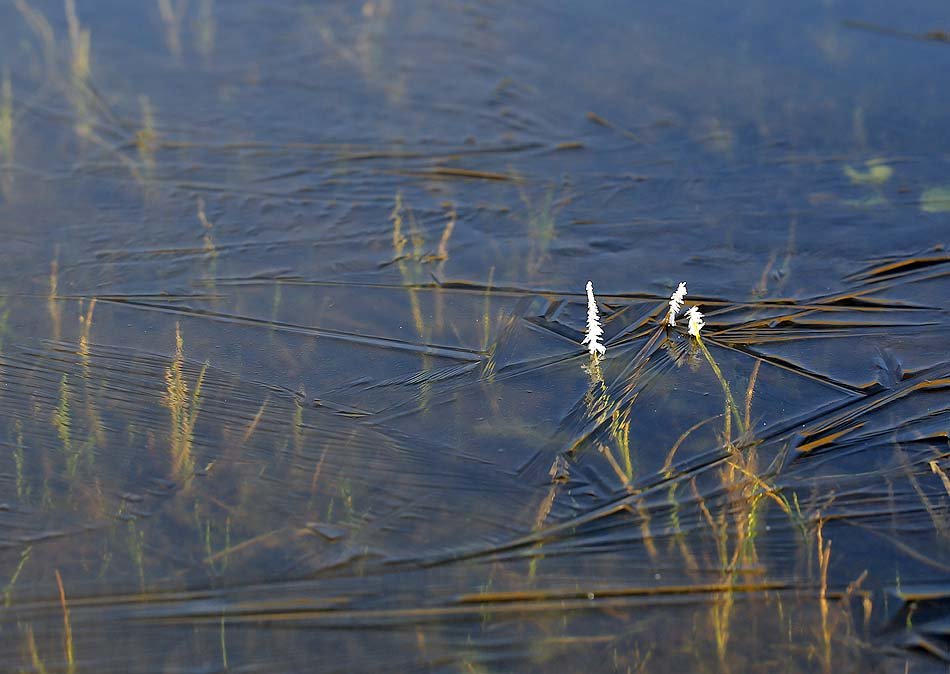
(290, 311)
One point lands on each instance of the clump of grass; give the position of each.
(79, 42)
(398, 218)
(55, 311)
(85, 328)
(542, 229)
(136, 543)
(6, 121)
(19, 461)
(146, 138)
(411, 269)
(205, 28)
(183, 408)
(207, 533)
(208, 228)
(602, 407)
(80, 68)
(63, 422)
(41, 27)
(172, 17)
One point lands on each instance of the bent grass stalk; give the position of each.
(146, 139)
(23, 490)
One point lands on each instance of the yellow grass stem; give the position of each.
(205, 28)
(442, 253)
(208, 227)
(85, 327)
(937, 470)
(146, 138)
(79, 41)
(750, 391)
(668, 464)
(55, 311)
(486, 310)
(254, 422)
(67, 628)
(172, 17)
(731, 407)
(824, 558)
(8, 590)
(38, 23)
(6, 120)
(61, 417)
(34, 653)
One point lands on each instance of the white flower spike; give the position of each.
(676, 303)
(594, 331)
(695, 321)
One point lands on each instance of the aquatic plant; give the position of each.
(696, 322)
(79, 43)
(594, 331)
(676, 303)
(182, 407)
(6, 119)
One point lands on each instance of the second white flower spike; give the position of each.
(594, 331)
(676, 303)
(696, 323)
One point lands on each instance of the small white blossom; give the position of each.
(695, 321)
(676, 303)
(594, 331)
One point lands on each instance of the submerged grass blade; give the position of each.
(731, 407)
(62, 421)
(67, 627)
(55, 311)
(35, 659)
(8, 590)
(6, 127)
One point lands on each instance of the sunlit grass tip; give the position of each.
(696, 323)
(594, 331)
(676, 303)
